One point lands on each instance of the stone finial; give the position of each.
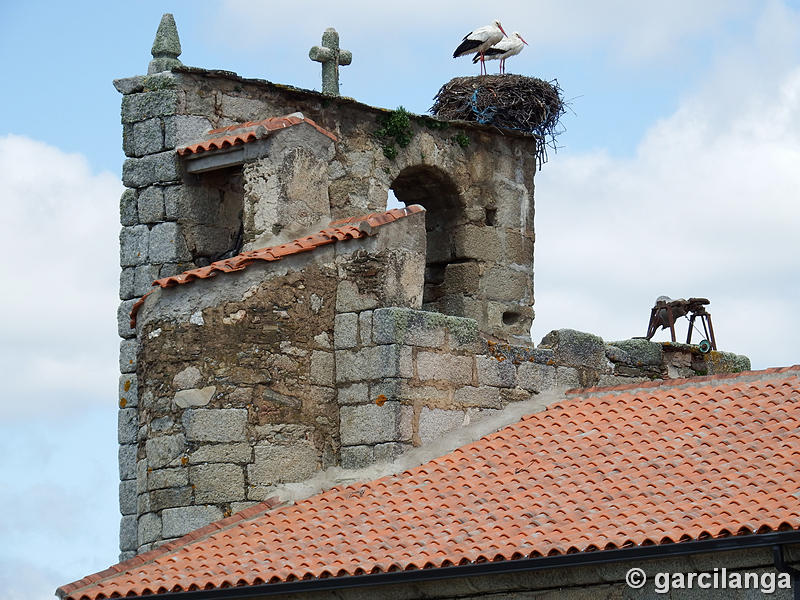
(331, 57)
(166, 47)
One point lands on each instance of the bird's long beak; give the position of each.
(523, 39)
(501, 29)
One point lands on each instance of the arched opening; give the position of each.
(437, 192)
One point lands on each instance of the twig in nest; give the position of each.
(510, 101)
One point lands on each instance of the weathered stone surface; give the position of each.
(217, 483)
(388, 452)
(180, 521)
(128, 533)
(726, 362)
(462, 333)
(170, 498)
(127, 459)
(150, 204)
(407, 326)
(390, 389)
(127, 356)
(127, 425)
(536, 377)
(503, 283)
(166, 478)
(143, 278)
(124, 329)
(357, 457)
(159, 81)
(167, 244)
(142, 500)
(137, 107)
(370, 423)
(635, 352)
(162, 167)
(345, 331)
(187, 378)
(350, 299)
(148, 138)
(567, 377)
(128, 213)
(164, 450)
(492, 371)
(133, 245)
(479, 243)
(127, 497)
(129, 85)
(278, 464)
(283, 433)
(484, 396)
(194, 397)
(462, 278)
(435, 422)
(322, 368)
(576, 349)
(237, 506)
(149, 528)
(128, 390)
(356, 393)
(222, 453)
(394, 360)
(182, 130)
(356, 365)
(215, 425)
(444, 367)
(126, 283)
(365, 327)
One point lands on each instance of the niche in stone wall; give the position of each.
(211, 215)
(444, 214)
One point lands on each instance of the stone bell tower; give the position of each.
(288, 299)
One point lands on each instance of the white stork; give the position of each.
(480, 40)
(510, 46)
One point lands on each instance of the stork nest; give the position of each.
(513, 102)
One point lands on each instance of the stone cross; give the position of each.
(166, 47)
(331, 57)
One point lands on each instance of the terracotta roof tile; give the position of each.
(656, 465)
(346, 229)
(236, 135)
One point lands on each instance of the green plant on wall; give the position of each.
(461, 139)
(394, 128)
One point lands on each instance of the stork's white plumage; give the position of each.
(480, 40)
(505, 48)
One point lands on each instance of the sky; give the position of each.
(678, 173)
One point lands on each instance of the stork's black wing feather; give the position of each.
(466, 47)
(487, 53)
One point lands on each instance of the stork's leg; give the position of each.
(483, 65)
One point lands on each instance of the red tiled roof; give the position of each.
(236, 135)
(683, 460)
(343, 229)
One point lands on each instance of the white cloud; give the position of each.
(58, 516)
(60, 268)
(708, 206)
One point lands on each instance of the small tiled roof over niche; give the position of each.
(603, 469)
(340, 230)
(244, 133)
